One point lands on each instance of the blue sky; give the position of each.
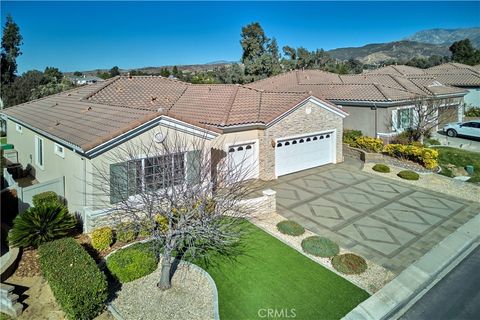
(88, 35)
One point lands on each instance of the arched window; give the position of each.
(248, 147)
(321, 137)
(231, 150)
(315, 138)
(294, 142)
(328, 136)
(240, 149)
(279, 144)
(308, 139)
(287, 143)
(302, 141)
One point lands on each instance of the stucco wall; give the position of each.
(360, 118)
(71, 166)
(298, 123)
(472, 98)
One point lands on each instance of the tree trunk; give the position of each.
(165, 282)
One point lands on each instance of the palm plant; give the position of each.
(41, 224)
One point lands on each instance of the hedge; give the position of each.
(424, 156)
(79, 287)
(368, 144)
(47, 197)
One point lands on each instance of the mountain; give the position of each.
(447, 36)
(399, 50)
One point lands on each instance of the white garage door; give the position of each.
(242, 160)
(296, 154)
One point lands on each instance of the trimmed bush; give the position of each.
(408, 175)
(126, 232)
(349, 263)
(381, 168)
(472, 112)
(162, 223)
(79, 287)
(290, 227)
(133, 262)
(146, 228)
(368, 144)
(48, 197)
(102, 238)
(319, 246)
(424, 156)
(349, 136)
(40, 224)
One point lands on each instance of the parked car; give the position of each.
(469, 128)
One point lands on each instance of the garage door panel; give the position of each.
(242, 161)
(292, 155)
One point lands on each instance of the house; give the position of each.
(84, 79)
(68, 134)
(380, 105)
(453, 74)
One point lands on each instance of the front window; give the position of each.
(146, 174)
(404, 118)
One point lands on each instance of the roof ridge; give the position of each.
(106, 84)
(231, 101)
(259, 105)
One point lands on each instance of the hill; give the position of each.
(447, 36)
(379, 52)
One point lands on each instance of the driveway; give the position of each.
(471, 144)
(388, 222)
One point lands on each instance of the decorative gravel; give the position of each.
(191, 297)
(435, 182)
(372, 280)
(405, 164)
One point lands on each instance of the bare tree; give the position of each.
(428, 113)
(187, 193)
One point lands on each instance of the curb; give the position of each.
(387, 302)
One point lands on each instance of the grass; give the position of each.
(460, 158)
(272, 275)
(3, 140)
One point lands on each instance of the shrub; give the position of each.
(368, 144)
(290, 227)
(162, 222)
(424, 156)
(349, 136)
(473, 112)
(319, 246)
(146, 228)
(79, 287)
(381, 168)
(132, 263)
(126, 232)
(408, 175)
(102, 238)
(47, 197)
(349, 263)
(40, 224)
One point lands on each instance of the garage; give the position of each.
(305, 152)
(243, 157)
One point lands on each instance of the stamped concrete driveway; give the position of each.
(388, 222)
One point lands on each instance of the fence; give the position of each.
(25, 194)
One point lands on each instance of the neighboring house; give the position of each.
(81, 80)
(453, 74)
(72, 133)
(380, 105)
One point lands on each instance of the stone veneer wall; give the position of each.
(296, 124)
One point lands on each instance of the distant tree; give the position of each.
(11, 42)
(21, 89)
(354, 66)
(275, 56)
(164, 72)
(114, 72)
(137, 73)
(53, 74)
(177, 73)
(258, 51)
(77, 74)
(103, 75)
(463, 52)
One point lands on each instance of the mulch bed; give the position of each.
(402, 163)
(29, 265)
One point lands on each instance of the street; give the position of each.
(456, 296)
(471, 144)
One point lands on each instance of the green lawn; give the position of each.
(3, 140)
(271, 275)
(459, 158)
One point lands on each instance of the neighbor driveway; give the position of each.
(389, 222)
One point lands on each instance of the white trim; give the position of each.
(56, 150)
(18, 128)
(37, 163)
(315, 101)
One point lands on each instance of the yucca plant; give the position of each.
(41, 224)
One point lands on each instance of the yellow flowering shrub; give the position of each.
(102, 238)
(368, 144)
(424, 156)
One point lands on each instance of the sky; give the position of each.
(92, 34)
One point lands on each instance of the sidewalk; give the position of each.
(387, 302)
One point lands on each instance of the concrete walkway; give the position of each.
(390, 223)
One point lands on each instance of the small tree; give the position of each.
(186, 194)
(114, 72)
